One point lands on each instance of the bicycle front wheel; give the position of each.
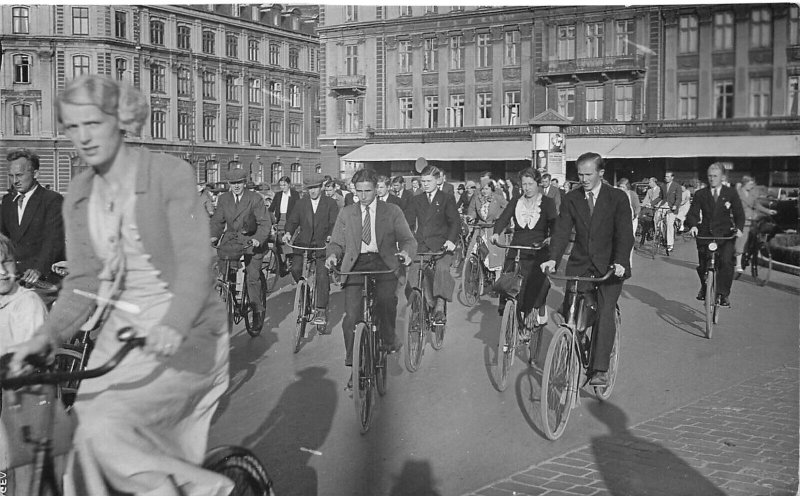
(437, 332)
(241, 466)
(604, 392)
(269, 267)
(506, 345)
(416, 331)
(710, 303)
(380, 369)
(762, 255)
(300, 309)
(249, 311)
(471, 281)
(559, 384)
(363, 377)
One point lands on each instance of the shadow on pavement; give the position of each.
(295, 430)
(679, 315)
(681, 263)
(632, 465)
(415, 479)
(279, 306)
(245, 353)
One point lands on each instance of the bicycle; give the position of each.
(305, 295)
(270, 265)
(655, 229)
(369, 354)
(475, 277)
(421, 322)
(237, 301)
(512, 331)
(235, 462)
(757, 253)
(711, 304)
(568, 357)
(462, 245)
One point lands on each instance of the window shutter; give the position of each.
(340, 114)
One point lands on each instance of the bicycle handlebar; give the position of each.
(45, 286)
(309, 248)
(716, 238)
(552, 275)
(537, 246)
(125, 334)
(362, 272)
(431, 253)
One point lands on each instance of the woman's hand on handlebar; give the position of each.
(162, 340)
(39, 344)
(549, 266)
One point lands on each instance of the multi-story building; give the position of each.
(229, 86)
(651, 87)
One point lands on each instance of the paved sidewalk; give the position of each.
(741, 441)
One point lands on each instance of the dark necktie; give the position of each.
(366, 228)
(590, 196)
(18, 200)
(716, 195)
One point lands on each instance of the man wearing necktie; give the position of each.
(716, 211)
(601, 217)
(370, 235)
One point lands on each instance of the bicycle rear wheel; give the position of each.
(506, 345)
(301, 312)
(437, 332)
(762, 255)
(363, 378)
(471, 281)
(416, 331)
(559, 384)
(710, 303)
(604, 392)
(242, 467)
(380, 369)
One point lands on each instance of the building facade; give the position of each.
(229, 86)
(650, 87)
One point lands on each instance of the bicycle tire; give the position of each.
(710, 302)
(506, 345)
(604, 392)
(535, 344)
(558, 384)
(301, 312)
(763, 254)
(437, 332)
(380, 369)
(249, 312)
(241, 466)
(363, 379)
(416, 331)
(70, 357)
(470, 281)
(229, 306)
(270, 264)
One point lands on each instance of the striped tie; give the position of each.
(366, 228)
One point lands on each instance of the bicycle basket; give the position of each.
(509, 283)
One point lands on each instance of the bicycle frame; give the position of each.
(309, 267)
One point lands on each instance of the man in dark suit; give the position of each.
(315, 214)
(31, 219)
(601, 217)
(383, 192)
(242, 215)
(370, 235)
(433, 217)
(548, 189)
(444, 186)
(716, 211)
(282, 205)
(671, 198)
(400, 192)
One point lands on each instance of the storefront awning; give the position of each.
(683, 147)
(445, 151)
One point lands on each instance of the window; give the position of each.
(276, 170)
(794, 31)
(351, 59)
(625, 34)
(184, 126)
(312, 60)
(294, 136)
(594, 39)
(252, 50)
(623, 102)
(405, 11)
(184, 37)
(352, 115)
(296, 174)
(20, 21)
(294, 96)
(22, 120)
(723, 31)
(484, 117)
(254, 132)
(232, 129)
(209, 127)
(431, 111)
(456, 52)
(511, 108)
(254, 91)
(793, 96)
(208, 41)
(232, 46)
(760, 28)
(274, 53)
(565, 43)
(120, 68)
(184, 82)
(687, 100)
(231, 88)
(351, 13)
(566, 102)
(687, 34)
(294, 58)
(512, 48)
(484, 50)
(594, 103)
(158, 78)
(760, 92)
(404, 49)
(723, 99)
(22, 69)
(80, 20)
(209, 85)
(430, 55)
(80, 65)
(406, 112)
(455, 112)
(275, 93)
(158, 124)
(431, 9)
(275, 133)
(157, 32)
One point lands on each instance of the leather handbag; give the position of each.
(509, 283)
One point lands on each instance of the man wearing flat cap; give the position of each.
(314, 215)
(241, 214)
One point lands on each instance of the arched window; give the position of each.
(297, 173)
(277, 172)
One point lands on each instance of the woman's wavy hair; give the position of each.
(114, 98)
(532, 173)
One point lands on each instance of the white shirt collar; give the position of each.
(27, 195)
(596, 190)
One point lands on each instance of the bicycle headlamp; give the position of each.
(712, 246)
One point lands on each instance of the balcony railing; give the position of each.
(423, 135)
(756, 125)
(353, 82)
(596, 64)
